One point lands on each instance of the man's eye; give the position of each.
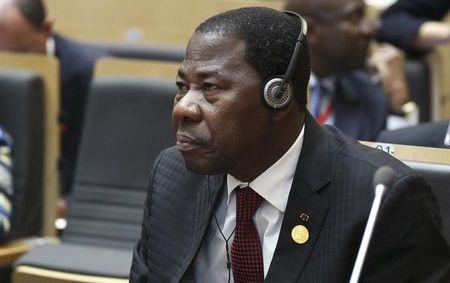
(210, 86)
(182, 88)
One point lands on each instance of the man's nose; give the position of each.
(187, 108)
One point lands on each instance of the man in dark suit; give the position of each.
(24, 27)
(77, 63)
(254, 192)
(342, 93)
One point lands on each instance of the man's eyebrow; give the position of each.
(208, 73)
(203, 74)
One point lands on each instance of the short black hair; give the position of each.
(33, 11)
(270, 38)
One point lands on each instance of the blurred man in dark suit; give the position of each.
(256, 190)
(342, 93)
(24, 27)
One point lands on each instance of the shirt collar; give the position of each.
(277, 177)
(328, 82)
(50, 46)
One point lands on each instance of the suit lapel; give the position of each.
(312, 174)
(203, 206)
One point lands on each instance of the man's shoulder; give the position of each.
(170, 158)
(357, 86)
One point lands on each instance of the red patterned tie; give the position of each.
(246, 252)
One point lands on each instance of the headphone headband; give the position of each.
(290, 70)
(277, 92)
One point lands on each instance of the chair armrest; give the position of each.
(12, 250)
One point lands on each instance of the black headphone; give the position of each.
(277, 91)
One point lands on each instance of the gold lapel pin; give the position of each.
(304, 216)
(300, 234)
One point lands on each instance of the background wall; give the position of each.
(173, 21)
(147, 21)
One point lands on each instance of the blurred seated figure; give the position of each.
(342, 92)
(24, 27)
(6, 184)
(388, 63)
(428, 134)
(414, 25)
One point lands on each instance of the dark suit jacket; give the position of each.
(401, 21)
(76, 66)
(361, 107)
(333, 184)
(427, 134)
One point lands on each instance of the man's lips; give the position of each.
(186, 143)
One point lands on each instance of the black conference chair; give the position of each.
(172, 53)
(419, 83)
(427, 134)
(127, 123)
(21, 114)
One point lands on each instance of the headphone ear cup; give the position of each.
(270, 97)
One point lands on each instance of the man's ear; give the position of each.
(283, 114)
(47, 27)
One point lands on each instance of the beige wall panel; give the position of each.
(114, 67)
(138, 20)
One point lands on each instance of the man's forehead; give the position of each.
(12, 18)
(5, 5)
(214, 55)
(207, 67)
(213, 46)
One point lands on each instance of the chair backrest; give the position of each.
(171, 53)
(426, 134)
(48, 69)
(21, 113)
(127, 123)
(120, 67)
(418, 77)
(434, 165)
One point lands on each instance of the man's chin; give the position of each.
(201, 166)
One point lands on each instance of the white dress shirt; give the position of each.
(274, 186)
(50, 47)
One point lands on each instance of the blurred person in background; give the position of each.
(25, 27)
(415, 25)
(342, 92)
(340, 60)
(388, 66)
